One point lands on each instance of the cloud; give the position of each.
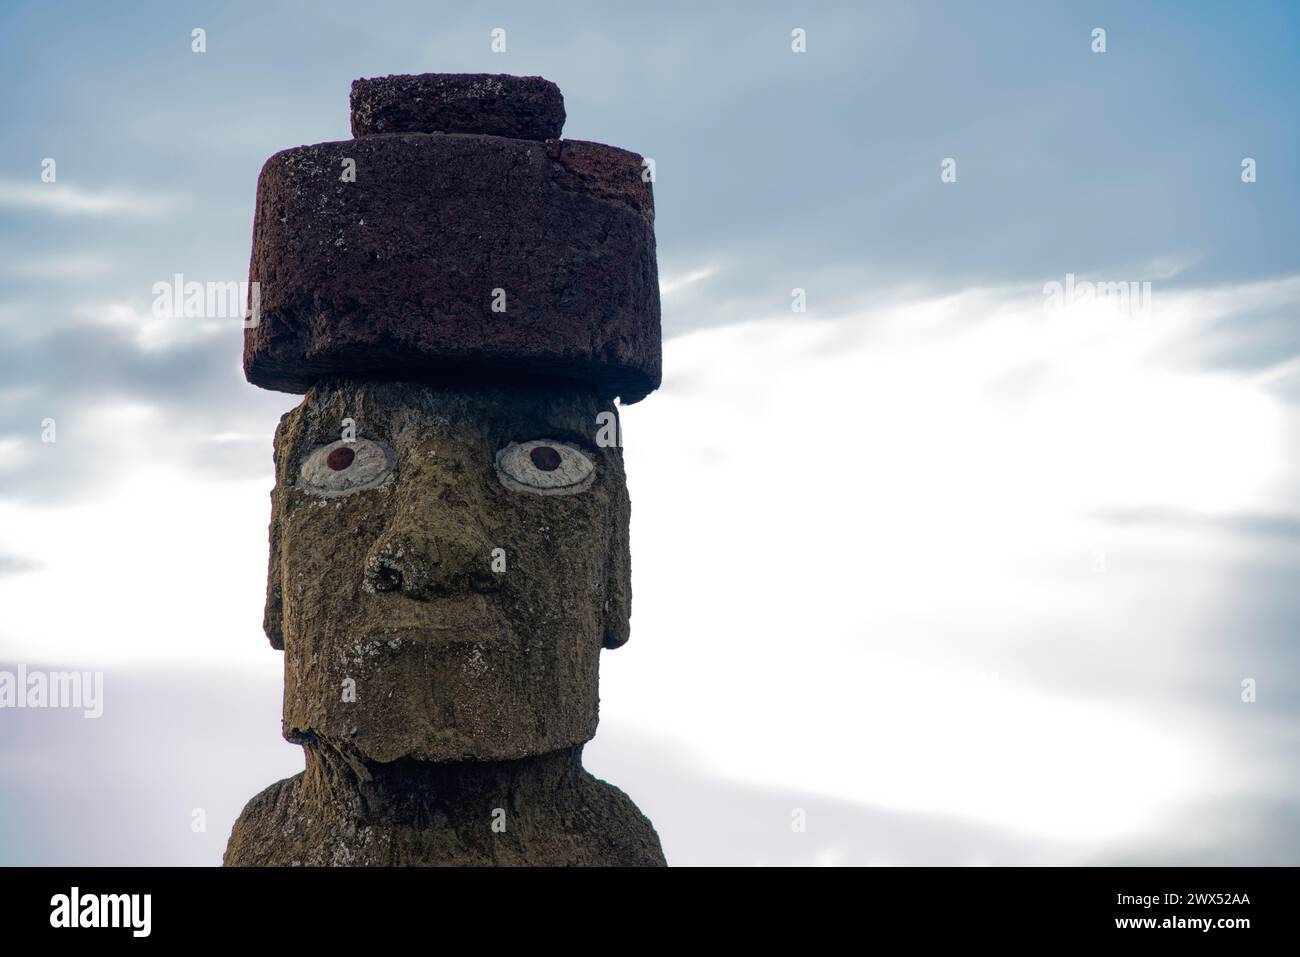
(1283, 526)
(670, 285)
(918, 552)
(113, 795)
(117, 357)
(61, 199)
(14, 565)
(1244, 830)
(232, 719)
(874, 555)
(902, 526)
(59, 267)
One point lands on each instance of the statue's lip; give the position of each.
(445, 634)
(459, 618)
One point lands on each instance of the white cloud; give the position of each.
(866, 557)
(150, 332)
(14, 454)
(60, 267)
(668, 285)
(860, 544)
(63, 199)
(161, 567)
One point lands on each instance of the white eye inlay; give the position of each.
(342, 468)
(545, 467)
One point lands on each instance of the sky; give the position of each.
(965, 574)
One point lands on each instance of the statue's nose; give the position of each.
(425, 565)
(384, 567)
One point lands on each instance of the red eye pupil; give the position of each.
(545, 458)
(340, 458)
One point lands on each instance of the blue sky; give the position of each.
(1083, 524)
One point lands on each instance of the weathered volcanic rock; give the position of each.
(460, 294)
(520, 107)
(547, 812)
(396, 275)
(389, 590)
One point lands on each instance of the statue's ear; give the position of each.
(618, 568)
(272, 619)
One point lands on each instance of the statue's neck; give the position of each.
(415, 792)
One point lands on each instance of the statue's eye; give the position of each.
(546, 467)
(341, 468)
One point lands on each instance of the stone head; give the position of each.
(460, 293)
(445, 567)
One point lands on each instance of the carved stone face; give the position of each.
(443, 582)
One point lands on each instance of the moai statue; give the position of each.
(460, 294)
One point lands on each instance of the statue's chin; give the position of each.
(456, 745)
(443, 694)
